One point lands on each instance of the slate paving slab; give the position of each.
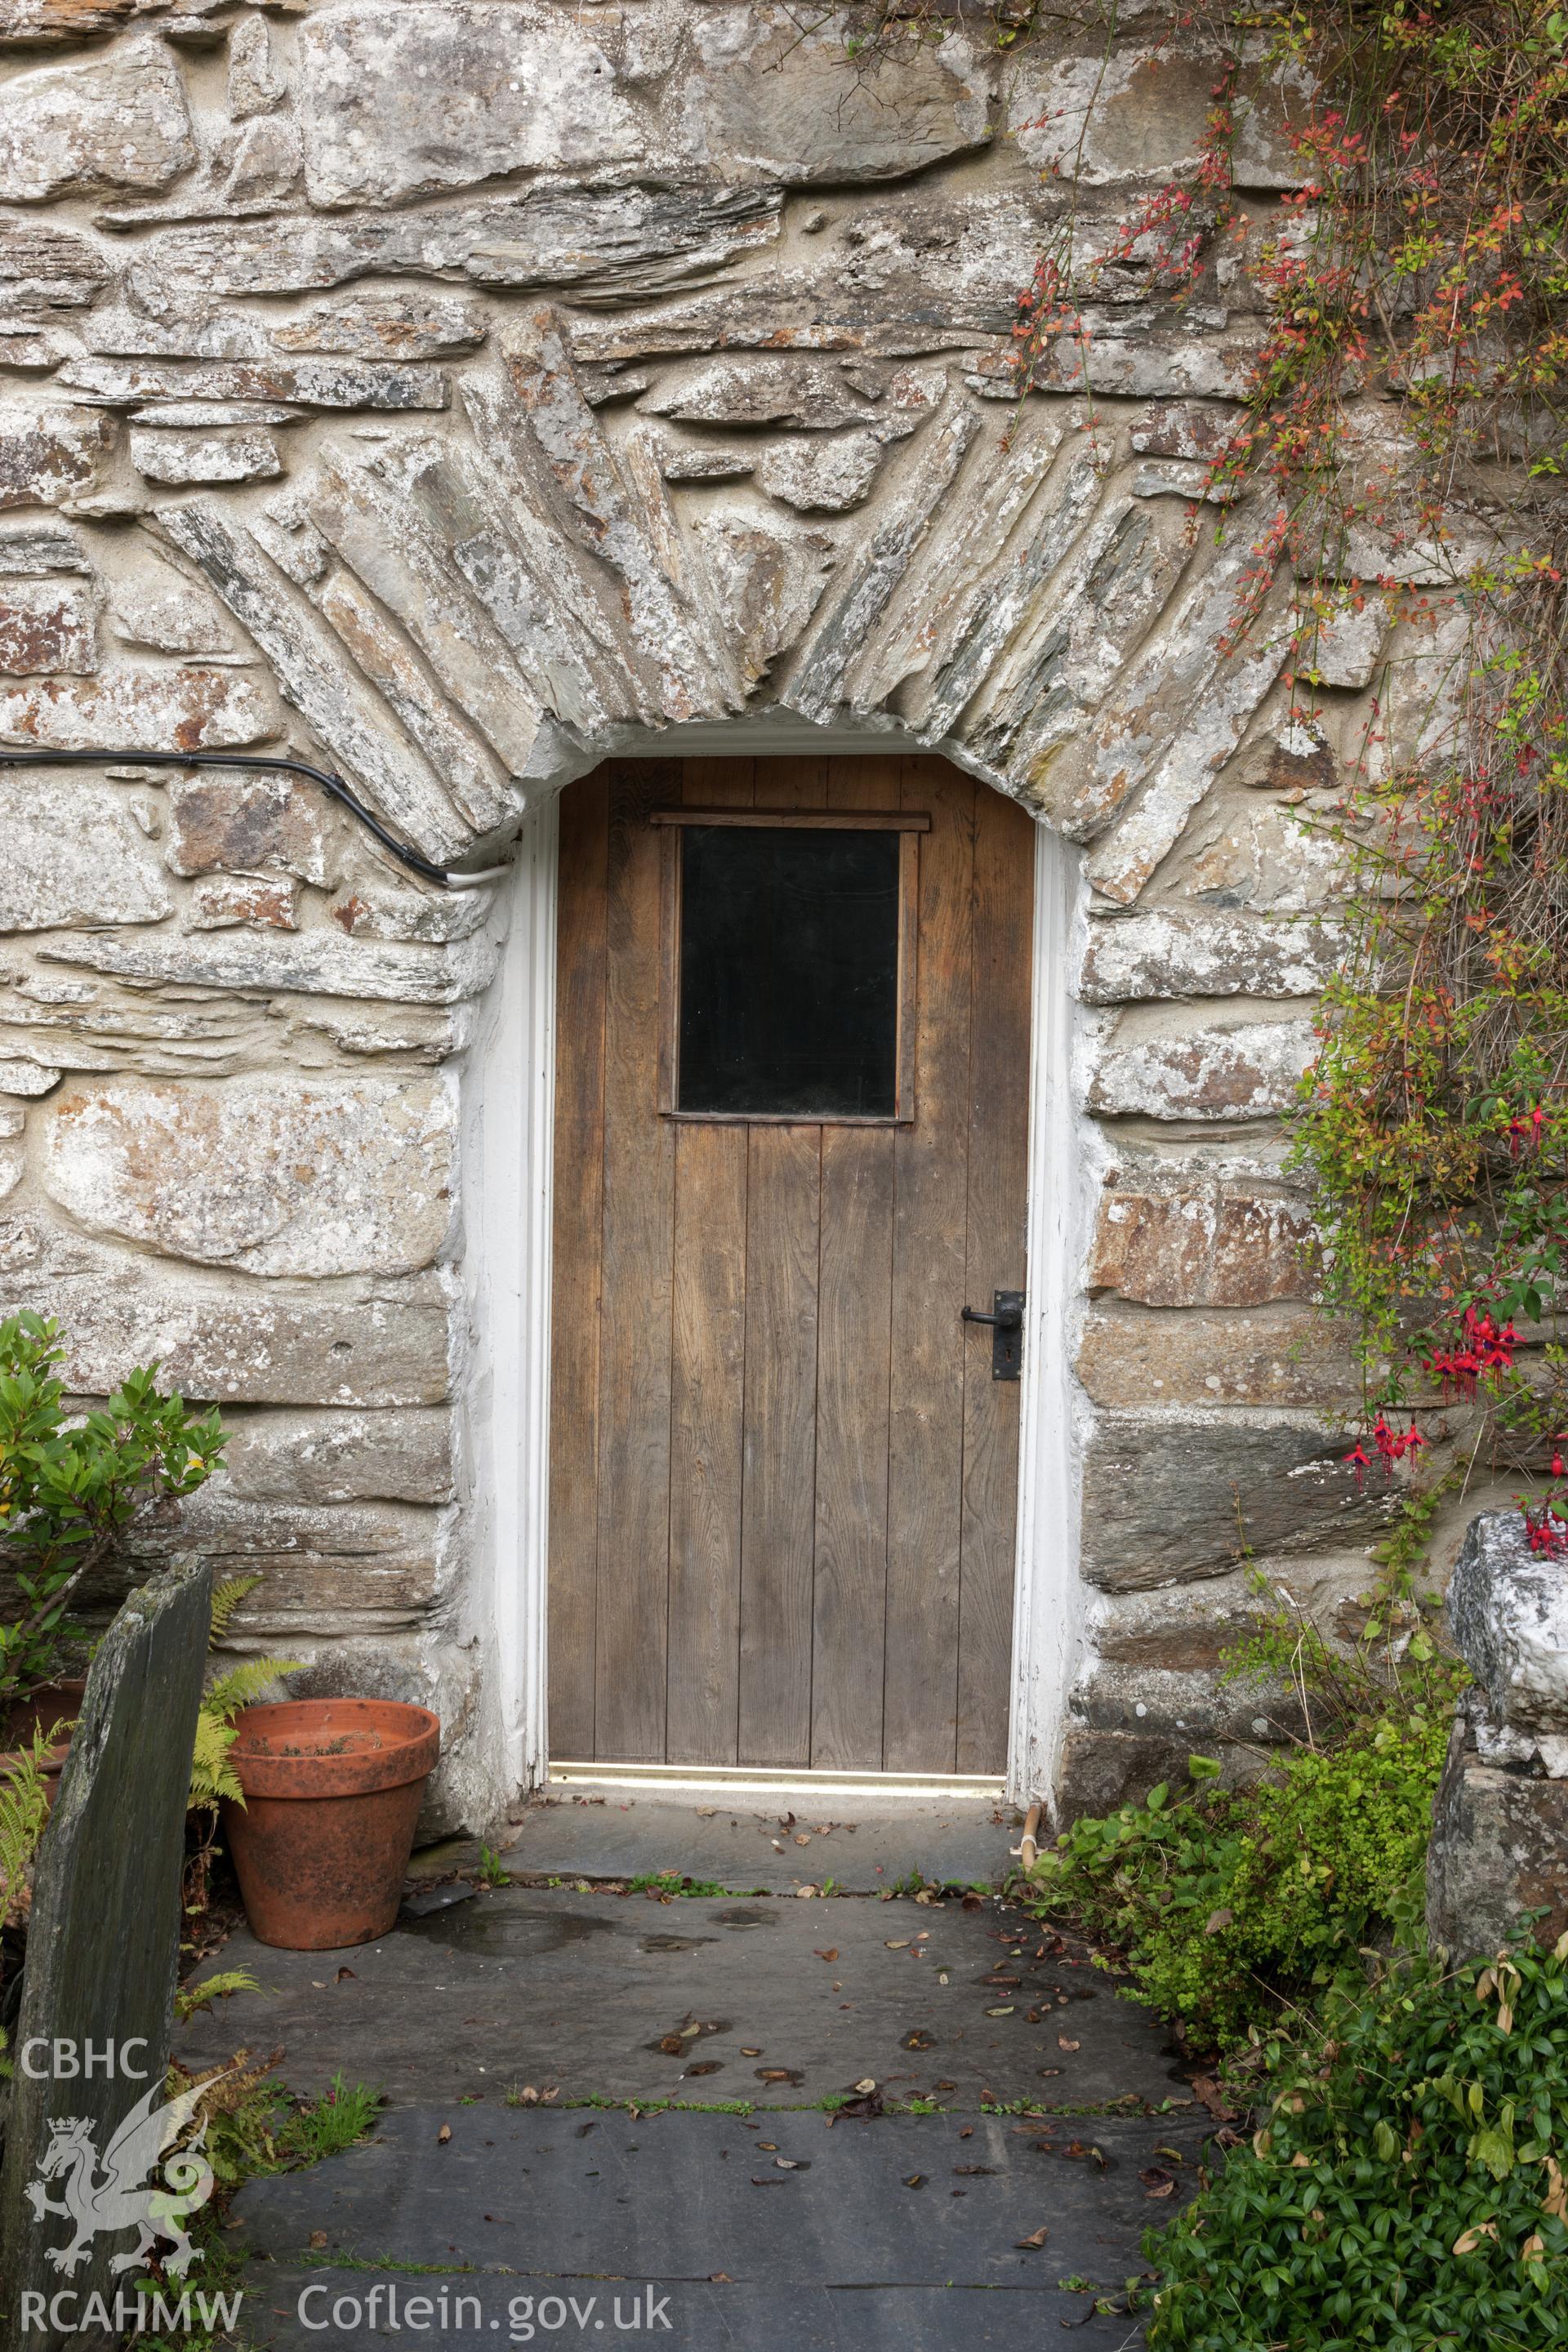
(774, 2201)
(774, 2001)
(861, 1844)
(686, 2317)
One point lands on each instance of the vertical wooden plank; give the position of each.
(799, 781)
(720, 783)
(783, 1185)
(853, 1340)
(707, 1395)
(926, 1402)
(866, 781)
(998, 1178)
(635, 1347)
(705, 1444)
(577, 1239)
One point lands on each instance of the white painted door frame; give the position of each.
(508, 1130)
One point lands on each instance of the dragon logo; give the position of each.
(105, 2195)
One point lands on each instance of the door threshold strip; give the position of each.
(731, 1781)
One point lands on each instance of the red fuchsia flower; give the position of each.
(1547, 1531)
(1558, 1441)
(1393, 1445)
(1362, 1461)
(1484, 1348)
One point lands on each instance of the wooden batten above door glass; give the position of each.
(789, 950)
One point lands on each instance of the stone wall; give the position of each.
(451, 394)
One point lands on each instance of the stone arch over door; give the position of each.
(467, 611)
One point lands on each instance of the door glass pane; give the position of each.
(789, 971)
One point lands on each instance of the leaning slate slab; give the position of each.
(102, 1948)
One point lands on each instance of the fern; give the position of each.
(227, 1598)
(213, 1777)
(24, 1809)
(190, 1999)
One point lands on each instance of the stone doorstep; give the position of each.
(861, 1845)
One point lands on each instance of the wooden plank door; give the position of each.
(782, 1480)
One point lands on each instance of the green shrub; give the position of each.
(1230, 1906)
(1407, 2188)
(69, 1491)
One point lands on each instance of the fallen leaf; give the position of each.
(767, 2145)
(318, 2237)
(1063, 2043)
(805, 1893)
(1169, 2190)
(831, 1954)
(748, 2053)
(341, 1974)
(1008, 2011)
(865, 2087)
(1205, 2090)
(705, 2066)
(914, 2180)
(898, 1944)
(1469, 2240)
(719, 2278)
(803, 1837)
(1032, 2243)
(444, 2135)
(968, 2132)
(790, 2164)
(1216, 1920)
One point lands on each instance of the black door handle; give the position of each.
(1006, 1321)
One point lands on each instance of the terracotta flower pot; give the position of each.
(54, 1703)
(332, 1794)
(40, 1710)
(50, 1766)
